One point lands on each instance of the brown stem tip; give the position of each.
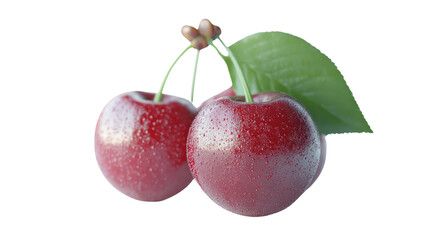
(199, 38)
(199, 43)
(206, 29)
(190, 32)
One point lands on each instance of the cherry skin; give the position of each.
(227, 93)
(140, 145)
(257, 158)
(321, 161)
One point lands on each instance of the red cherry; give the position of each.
(256, 158)
(140, 145)
(230, 93)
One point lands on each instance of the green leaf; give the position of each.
(275, 61)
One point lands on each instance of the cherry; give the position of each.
(140, 145)
(255, 158)
(230, 93)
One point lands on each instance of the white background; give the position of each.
(62, 61)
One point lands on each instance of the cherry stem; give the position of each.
(247, 94)
(210, 42)
(158, 95)
(195, 74)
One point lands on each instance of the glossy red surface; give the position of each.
(256, 158)
(227, 93)
(321, 161)
(140, 145)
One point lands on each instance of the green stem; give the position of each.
(210, 42)
(247, 94)
(158, 96)
(195, 74)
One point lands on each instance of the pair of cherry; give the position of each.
(252, 155)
